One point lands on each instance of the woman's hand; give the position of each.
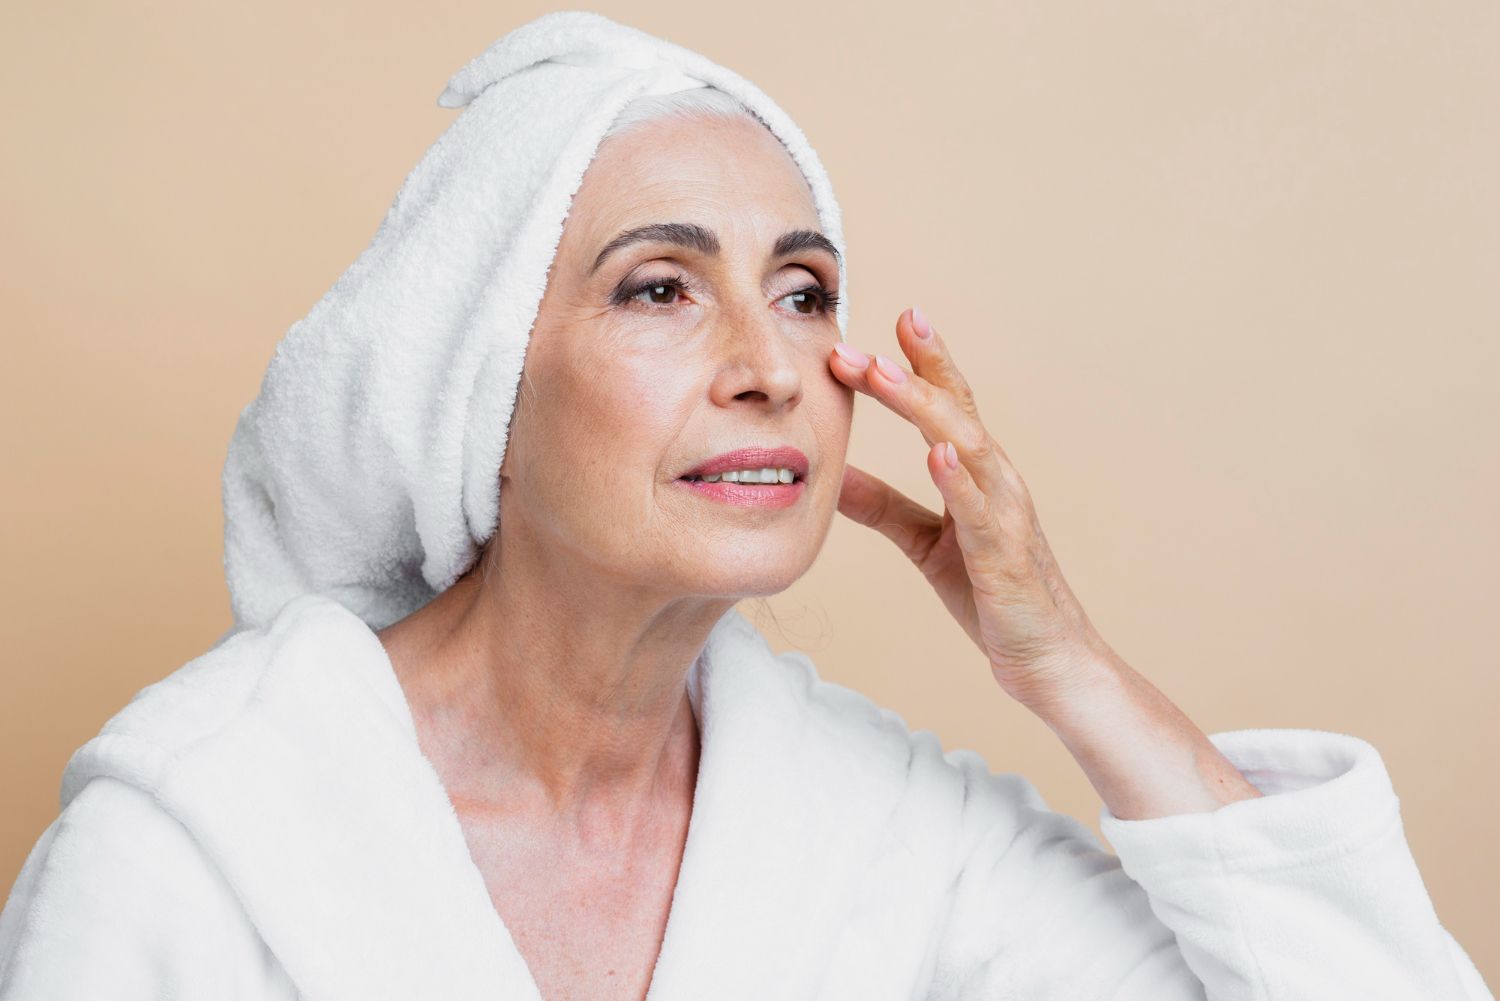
(989, 561)
(985, 555)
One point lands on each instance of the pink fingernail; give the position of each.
(889, 369)
(919, 323)
(950, 455)
(853, 356)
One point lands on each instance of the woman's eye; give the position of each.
(810, 301)
(802, 302)
(660, 293)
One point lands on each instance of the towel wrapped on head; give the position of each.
(367, 468)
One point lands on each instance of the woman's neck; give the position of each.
(537, 694)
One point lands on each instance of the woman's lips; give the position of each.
(769, 495)
(755, 457)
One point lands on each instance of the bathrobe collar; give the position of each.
(291, 755)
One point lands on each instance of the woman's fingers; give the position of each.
(979, 532)
(986, 555)
(876, 504)
(930, 358)
(935, 397)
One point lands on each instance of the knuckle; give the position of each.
(917, 394)
(1013, 481)
(976, 441)
(953, 377)
(1017, 523)
(881, 510)
(985, 512)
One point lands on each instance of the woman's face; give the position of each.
(664, 353)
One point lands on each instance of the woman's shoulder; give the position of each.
(315, 649)
(112, 886)
(110, 833)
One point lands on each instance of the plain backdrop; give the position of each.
(1225, 279)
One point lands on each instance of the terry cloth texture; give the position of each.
(262, 824)
(367, 468)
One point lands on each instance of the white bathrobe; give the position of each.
(262, 824)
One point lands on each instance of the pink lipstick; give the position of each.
(708, 478)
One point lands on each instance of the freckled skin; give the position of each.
(633, 396)
(547, 684)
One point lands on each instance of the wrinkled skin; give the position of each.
(547, 685)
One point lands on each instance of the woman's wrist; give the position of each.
(1141, 753)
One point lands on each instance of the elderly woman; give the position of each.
(488, 725)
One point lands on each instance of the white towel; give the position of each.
(368, 467)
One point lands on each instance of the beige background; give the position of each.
(1224, 278)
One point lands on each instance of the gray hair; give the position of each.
(680, 104)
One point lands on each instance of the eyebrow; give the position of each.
(695, 237)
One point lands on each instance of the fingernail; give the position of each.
(919, 323)
(889, 369)
(950, 455)
(853, 356)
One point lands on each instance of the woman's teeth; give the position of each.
(765, 475)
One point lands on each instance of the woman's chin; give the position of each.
(751, 570)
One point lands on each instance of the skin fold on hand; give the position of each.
(990, 563)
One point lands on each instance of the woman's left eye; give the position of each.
(810, 300)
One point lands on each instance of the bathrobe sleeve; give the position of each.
(1307, 893)
(116, 900)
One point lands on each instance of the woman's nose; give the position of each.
(756, 363)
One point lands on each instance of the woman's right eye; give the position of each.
(661, 293)
(657, 292)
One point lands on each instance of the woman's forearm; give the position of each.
(1143, 755)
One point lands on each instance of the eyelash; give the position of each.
(827, 301)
